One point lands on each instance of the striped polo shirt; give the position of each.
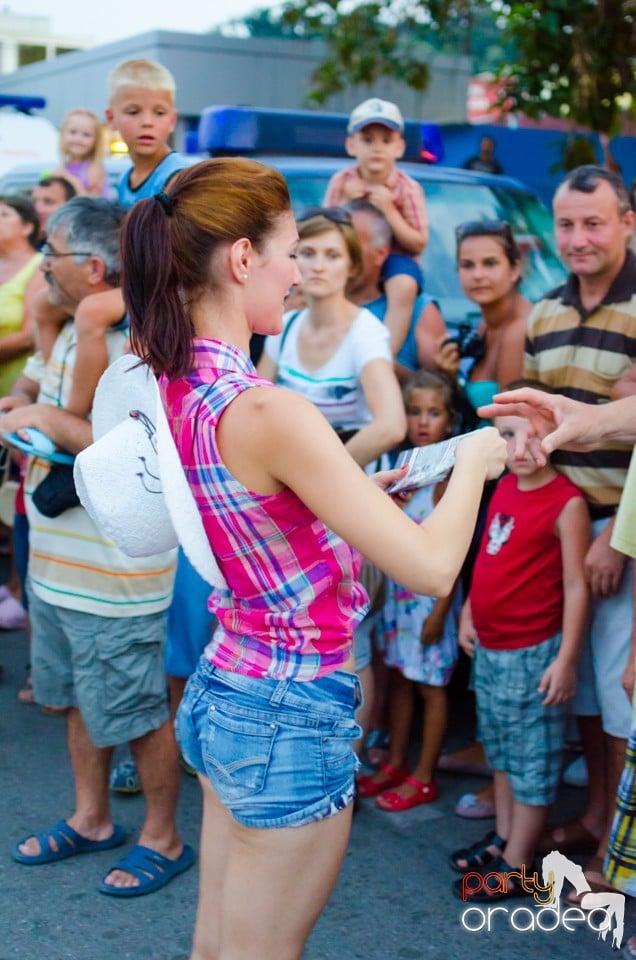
(581, 354)
(71, 564)
(293, 597)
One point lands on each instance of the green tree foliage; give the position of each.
(568, 58)
(470, 29)
(368, 41)
(475, 32)
(575, 58)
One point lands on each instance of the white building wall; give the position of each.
(17, 30)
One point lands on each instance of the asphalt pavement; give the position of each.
(392, 901)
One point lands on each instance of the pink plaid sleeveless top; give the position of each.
(293, 598)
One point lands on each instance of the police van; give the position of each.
(308, 148)
(24, 137)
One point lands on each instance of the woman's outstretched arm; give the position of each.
(271, 438)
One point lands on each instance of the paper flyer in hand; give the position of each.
(426, 465)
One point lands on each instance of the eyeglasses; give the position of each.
(49, 252)
(335, 214)
(483, 228)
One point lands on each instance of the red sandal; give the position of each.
(394, 803)
(368, 786)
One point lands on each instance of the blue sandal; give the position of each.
(152, 869)
(69, 843)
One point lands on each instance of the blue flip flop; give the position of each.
(69, 844)
(38, 444)
(152, 869)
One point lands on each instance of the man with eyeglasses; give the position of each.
(582, 343)
(97, 616)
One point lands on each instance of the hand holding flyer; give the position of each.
(426, 465)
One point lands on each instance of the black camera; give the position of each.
(469, 343)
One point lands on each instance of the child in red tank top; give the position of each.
(523, 622)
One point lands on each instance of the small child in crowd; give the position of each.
(523, 622)
(375, 139)
(82, 149)
(141, 106)
(141, 96)
(419, 632)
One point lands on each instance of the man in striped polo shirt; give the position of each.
(98, 617)
(582, 343)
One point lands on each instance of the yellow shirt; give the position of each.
(11, 317)
(624, 533)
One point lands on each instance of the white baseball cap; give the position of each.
(376, 111)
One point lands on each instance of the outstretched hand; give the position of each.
(554, 421)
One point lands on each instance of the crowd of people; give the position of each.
(335, 604)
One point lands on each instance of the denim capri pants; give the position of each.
(278, 753)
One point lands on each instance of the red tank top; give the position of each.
(516, 595)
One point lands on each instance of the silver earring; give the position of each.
(245, 276)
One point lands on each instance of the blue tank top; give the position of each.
(154, 182)
(479, 393)
(407, 354)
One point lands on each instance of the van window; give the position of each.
(449, 204)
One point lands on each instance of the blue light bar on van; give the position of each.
(227, 130)
(22, 103)
(432, 149)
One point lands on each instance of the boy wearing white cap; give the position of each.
(375, 139)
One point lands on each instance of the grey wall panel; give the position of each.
(212, 69)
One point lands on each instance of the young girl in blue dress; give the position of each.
(419, 634)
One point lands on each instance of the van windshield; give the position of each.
(449, 204)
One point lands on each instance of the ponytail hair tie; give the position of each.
(165, 202)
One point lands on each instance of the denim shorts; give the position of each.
(278, 753)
